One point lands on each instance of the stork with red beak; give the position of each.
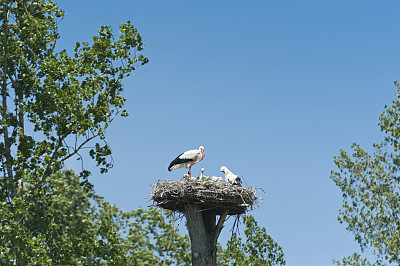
(187, 160)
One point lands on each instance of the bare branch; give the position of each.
(220, 225)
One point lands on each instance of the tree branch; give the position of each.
(100, 132)
(220, 225)
(46, 172)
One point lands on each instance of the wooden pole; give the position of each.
(203, 233)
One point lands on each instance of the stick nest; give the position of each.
(209, 195)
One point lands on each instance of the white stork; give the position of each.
(187, 159)
(230, 177)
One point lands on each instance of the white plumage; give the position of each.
(202, 174)
(187, 160)
(230, 177)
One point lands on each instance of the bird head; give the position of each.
(201, 149)
(223, 169)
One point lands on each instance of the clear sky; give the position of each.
(271, 89)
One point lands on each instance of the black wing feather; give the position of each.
(237, 182)
(176, 161)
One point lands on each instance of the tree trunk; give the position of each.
(203, 233)
(7, 142)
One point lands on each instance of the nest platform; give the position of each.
(208, 195)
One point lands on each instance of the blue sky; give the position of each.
(271, 89)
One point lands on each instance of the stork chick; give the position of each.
(230, 177)
(202, 174)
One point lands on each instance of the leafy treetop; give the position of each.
(52, 103)
(370, 185)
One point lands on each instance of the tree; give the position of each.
(52, 104)
(370, 184)
(65, 101)
(71, 225)
(258, 247)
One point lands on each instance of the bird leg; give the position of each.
(190, 174)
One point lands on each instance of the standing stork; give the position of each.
(187, 160)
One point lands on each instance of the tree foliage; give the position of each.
(71, 225)
(53, 104)
(257, 248)
(370, 184)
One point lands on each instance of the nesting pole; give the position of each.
(202, 201)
